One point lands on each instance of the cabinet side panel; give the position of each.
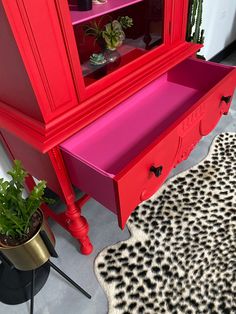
(15, 88)
(36, 163)
(37, 29)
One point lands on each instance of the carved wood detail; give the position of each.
(77, 224)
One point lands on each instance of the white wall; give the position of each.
(219, 22)
(5, 163)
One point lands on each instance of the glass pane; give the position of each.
(108, 41)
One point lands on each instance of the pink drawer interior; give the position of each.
(112, 141)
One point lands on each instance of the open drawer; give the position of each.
(122, 158)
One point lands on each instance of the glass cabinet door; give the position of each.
(113, 34)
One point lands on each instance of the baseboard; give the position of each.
(224, 53)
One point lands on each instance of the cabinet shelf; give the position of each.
(98, 10)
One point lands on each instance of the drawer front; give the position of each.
(143, 179)
(203, 119)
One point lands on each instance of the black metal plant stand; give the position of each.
(19, 286)
(16, 284)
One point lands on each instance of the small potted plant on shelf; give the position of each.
(109, 36)
(21, 221)
(97, 59)
(98, 64)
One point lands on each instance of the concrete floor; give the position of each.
(59, 297)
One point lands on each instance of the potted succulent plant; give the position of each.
(21, 221)
(109, 36)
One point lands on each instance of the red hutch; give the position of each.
(114, 129)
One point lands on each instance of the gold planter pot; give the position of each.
(33, 253)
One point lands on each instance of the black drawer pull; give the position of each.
(156, 170)
(226, 99)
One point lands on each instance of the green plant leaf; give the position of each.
(15, 210)
(17, 173)
(35, 199)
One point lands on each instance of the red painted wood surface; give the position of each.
(139, 183)
(179, 18)
(77, 224)
(15, 89)
(37, 31)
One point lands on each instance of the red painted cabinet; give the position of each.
(113, 117)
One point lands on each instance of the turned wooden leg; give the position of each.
(77, 224)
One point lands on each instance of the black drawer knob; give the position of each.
(226, 99)
(156, 170)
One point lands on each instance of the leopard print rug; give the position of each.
(181, 256)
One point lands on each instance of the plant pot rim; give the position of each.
(8, 247)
